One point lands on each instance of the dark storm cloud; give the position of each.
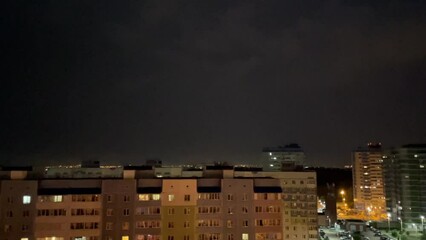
(197, 81)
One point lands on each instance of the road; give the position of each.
(332, 234)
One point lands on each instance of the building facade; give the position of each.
(368, 185)
(286, 157)
(225, 204)
(405, 181)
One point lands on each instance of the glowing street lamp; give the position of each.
(389, 217)
(400, 220)
(368, 213)
(342, 192)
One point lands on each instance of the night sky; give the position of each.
(202, 81)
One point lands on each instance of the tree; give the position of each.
(394, 234)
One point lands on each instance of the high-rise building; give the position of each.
(405, 181)
(286, 157)
(139, 203)
(367, 172)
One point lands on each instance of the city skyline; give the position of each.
(197, 82)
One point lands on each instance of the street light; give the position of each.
(400, 220)
(343, 200)
(423, 220)
(389, 216)
(367, 214)
(329, 221)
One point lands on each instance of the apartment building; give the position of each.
(368, 183)
(405, 181)
(299, 201)
(288, 157)
(226, 203)
(18, 200)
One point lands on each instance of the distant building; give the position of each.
(368, 186)
(288, 157)
(85, 170)
(405, 182)
(158, 203)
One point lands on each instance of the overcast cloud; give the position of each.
(202, 81)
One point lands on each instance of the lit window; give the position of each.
(143, 197)
(26, 199)
(244, 236)
(171, 197)
(24, 238)
(124, 237)
(156, 197)
(57, 198)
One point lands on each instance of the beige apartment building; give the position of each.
(368, 183)
(299, 202)
(225, 203)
